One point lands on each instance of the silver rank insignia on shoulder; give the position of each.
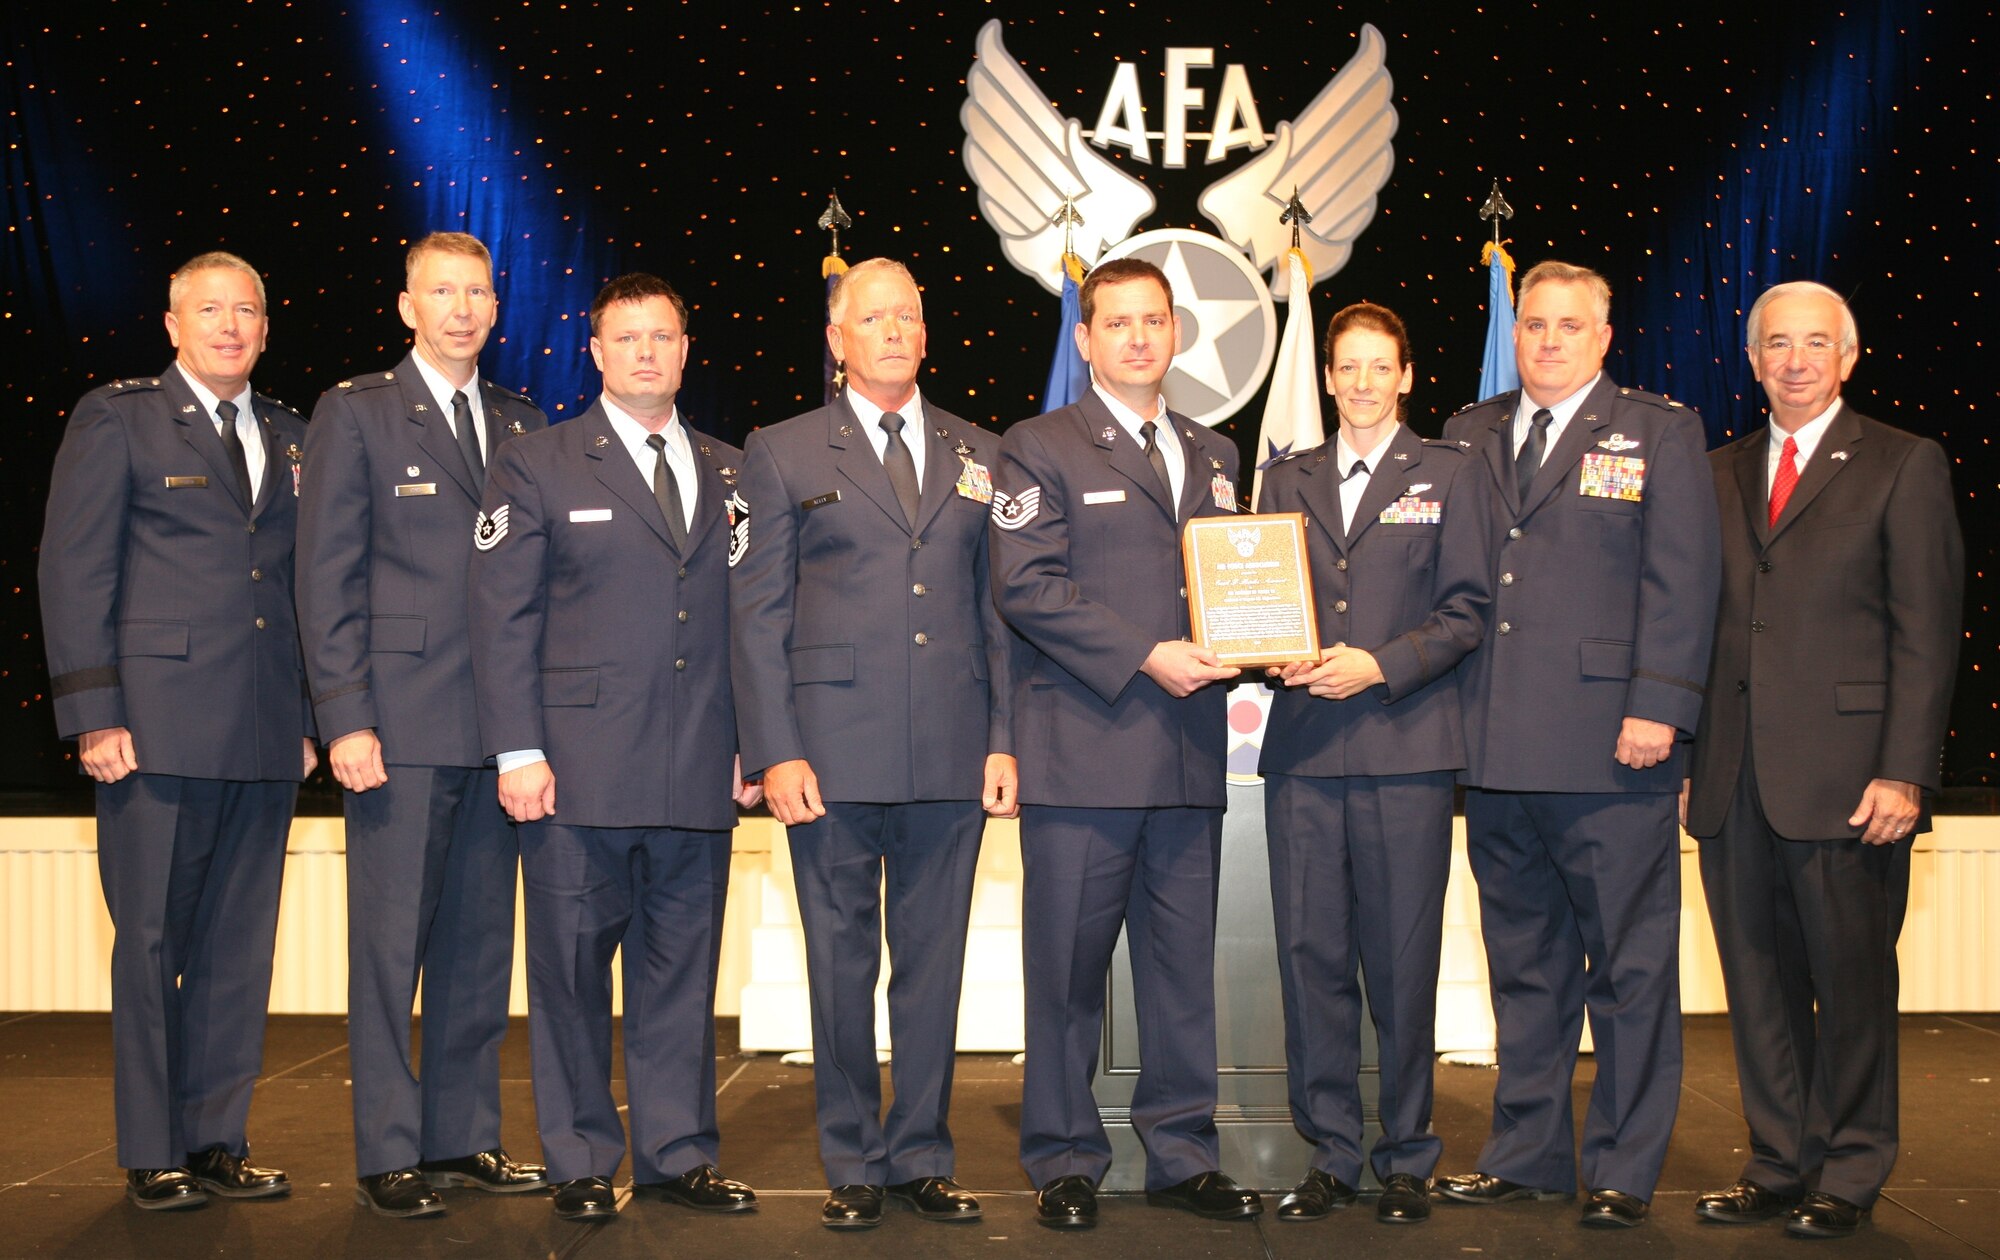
(1839, 455)
(603, 442)
(345, 385)
(1464, 443)
(516, 428)
(1110, 433)
(487, 531)
(1618, 442)
(413, 471)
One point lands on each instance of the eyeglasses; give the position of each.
(1814, 347)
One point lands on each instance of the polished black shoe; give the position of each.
(1612, 1209)
(1406, 1199)
(1067, 1203)
(492, 1171)
(1477, 1187)
(1824, 1216)
(1743, 1202)
(221, 1173)
(586, 1199)
(404, 1192)
(1210, 1194)
(703, 1189)
(852, 1207)
(1316, 1194)
(163, 1189)
(938, 1199)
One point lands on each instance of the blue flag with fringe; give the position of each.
(1497, 372)
(1069, 375)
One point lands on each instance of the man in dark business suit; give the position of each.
(166, 586)
(600, 656)
(1605, 574)
(398, 464)
(1836, 646)
(1358, 764)
(1121, 745)
(870, 674)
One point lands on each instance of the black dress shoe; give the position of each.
(1824, 1216)
(404, 1192)
(163, 1189)
(1316, 1194)
(1210, 1194)
(1067, 1203)
(702, 1188)
(492, 1171)
(938, 1199)
(221, 1173)
(1612, 1209)
(586, 1199)
(1743, 1202)
(1406, 1199)
(1477, 1187)
(852, 1207)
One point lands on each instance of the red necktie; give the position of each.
(1786, 481)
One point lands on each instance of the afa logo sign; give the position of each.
(1028, 162)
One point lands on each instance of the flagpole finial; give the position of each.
(1295, 214)
(1067, 215)
(1496, 209)
(832, 219)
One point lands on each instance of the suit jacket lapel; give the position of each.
(1122, 451)
(198, 430)
(941, 465)
(276, 462)
(1500, 458)
(1387, 483)
(617, 471)
(857, 460)
(1752, 485)
(1578, 436)
(1198, 471)
(708, 498)
(1840, 438)
(434, 433)
(499, 415)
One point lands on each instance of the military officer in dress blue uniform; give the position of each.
(398, 463)
(1835, 652)
(1576, 707)
(166, 585)
(1120, 732)
(600, 655)
(870, 673)
(1359, 760)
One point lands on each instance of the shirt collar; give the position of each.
(1130, 420)
(1562, 411)
(1807, 435)
(634, 435)
(442, 389)
(208, 398)
(870, 415)
(1373, 459)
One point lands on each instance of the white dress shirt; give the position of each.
(1352, 488)
(248, 430)
(1169, 442)
(912, 412)
(1524, 416)
(1807, 436)
(442, 390)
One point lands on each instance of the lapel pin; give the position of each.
(847, 430)
(1110, 433)
(1840, 455)
(189, 408)
(388, 376)
(516, 428)
(1401, 455)
(420, 407)
(961, 450)
(705, 450)
(412, 471)
(603, 441)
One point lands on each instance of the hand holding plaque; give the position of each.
(1249, 585)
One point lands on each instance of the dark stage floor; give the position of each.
(60, 1187)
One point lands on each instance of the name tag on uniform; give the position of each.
(1104, 496)
(416, 488)
(820, 500)
(1612, 477)
(187, 483)
(589, 514)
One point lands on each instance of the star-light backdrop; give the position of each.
(1695, 154)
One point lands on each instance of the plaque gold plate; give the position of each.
(1249, 584)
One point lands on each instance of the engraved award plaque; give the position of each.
(1250, 597)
